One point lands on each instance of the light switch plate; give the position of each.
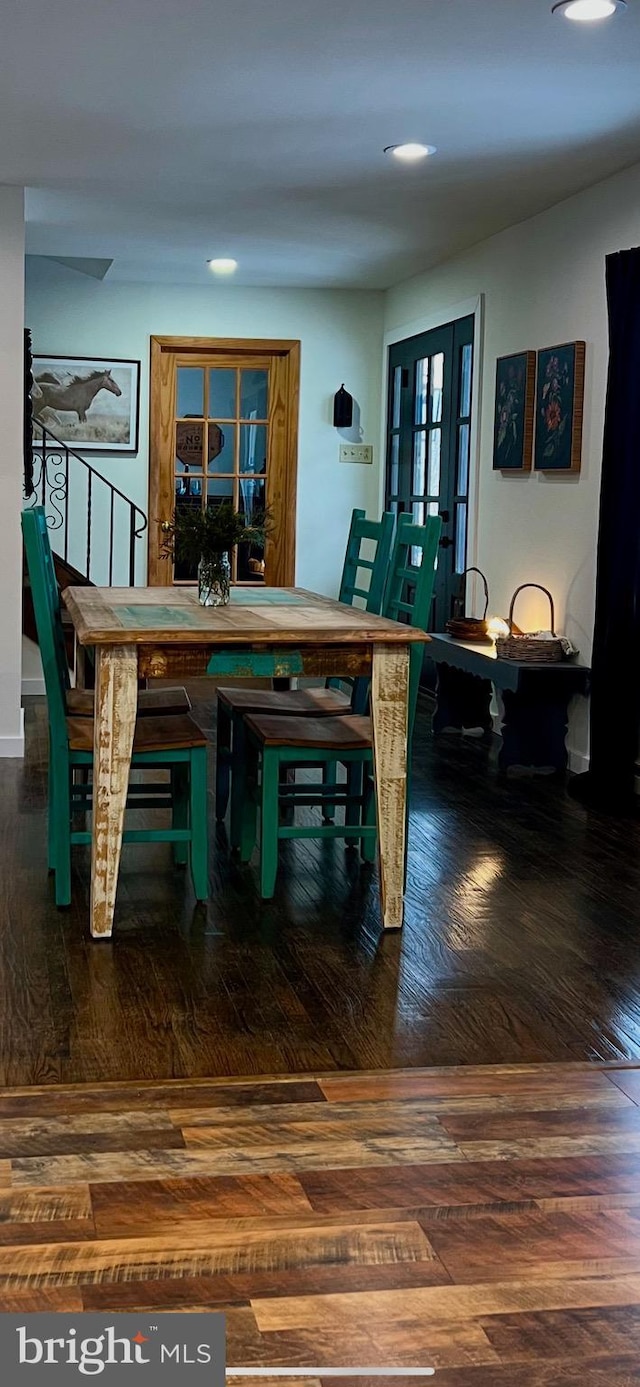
(356, 452)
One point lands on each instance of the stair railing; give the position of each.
(94, 527)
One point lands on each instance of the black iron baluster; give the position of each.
(132, 545)
(66, 504)
(89, 497)
(111, 539)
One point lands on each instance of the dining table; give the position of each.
(278, 633)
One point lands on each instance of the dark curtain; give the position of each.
(615, 691)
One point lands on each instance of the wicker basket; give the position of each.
(471, 628)
(529, 648)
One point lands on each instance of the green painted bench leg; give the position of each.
(269, 823)
(353, 811)
(199, 845)
(369, 846)
(223, 761)
(238, 782)
(329, 777)
(180, 810)
(61, 805)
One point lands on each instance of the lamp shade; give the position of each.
(342, 409)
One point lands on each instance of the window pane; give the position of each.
(419, 464)
(462, 483)
(190, 392)
(461, 538)
(435, 446)
(222, 393)
(252, 498)
(415, 555)
(396, 398)
(253, 448)
(437, 384)
(422, 390)
(219, 489)
(432, 508)
(254, 394)
(188, 496)
(189, 443)
(221, 449)
(252, 504)
(394, 468)
(466, 365)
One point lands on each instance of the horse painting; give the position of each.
(74, 395)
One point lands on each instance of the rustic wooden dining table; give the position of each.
(151, 633)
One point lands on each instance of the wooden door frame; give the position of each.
(283, 420)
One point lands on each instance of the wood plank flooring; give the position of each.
(521, 943)
(483, 1221)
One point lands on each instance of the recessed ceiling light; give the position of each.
(222, 266)
(410, 153)
(587, 11)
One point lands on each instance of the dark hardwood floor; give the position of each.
(521, 943)
(483, 1222)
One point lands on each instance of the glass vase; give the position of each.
(214, 581)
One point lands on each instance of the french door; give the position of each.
(428, 447)
(223, 428)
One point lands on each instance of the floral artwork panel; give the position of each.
(559, 408)
(513, 430)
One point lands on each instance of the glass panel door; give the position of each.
(222, 450)
(428, 451)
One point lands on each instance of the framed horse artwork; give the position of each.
(87, 402)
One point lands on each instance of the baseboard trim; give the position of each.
(33, 688)
(12, 748)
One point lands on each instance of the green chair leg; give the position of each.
(354, 787)
(180, 815)
(247, 814)
(199, 845)
(238, 784)
(61, 805)
(329, 777)
(269, 823)
(369, 846)
(223, 761)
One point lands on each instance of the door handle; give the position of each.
(444, 515)
(445, 542)
(165, 527)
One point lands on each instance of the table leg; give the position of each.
(535, 725)
(390, 716)
(116, 698)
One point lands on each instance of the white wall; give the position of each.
(11, 409)
(543, 283)
(340, 334)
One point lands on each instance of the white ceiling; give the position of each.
(158, 133)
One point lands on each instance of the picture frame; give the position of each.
(91, 404)
(560, 408)
(514, 412)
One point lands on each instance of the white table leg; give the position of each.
(389, 711)
(116, 698)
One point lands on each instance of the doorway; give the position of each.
(429, 447)
(224, 428)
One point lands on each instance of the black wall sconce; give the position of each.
(342, 409)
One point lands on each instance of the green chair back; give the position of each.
(381, 532)
(410, 589)
(46, 607)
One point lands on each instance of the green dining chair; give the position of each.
(235, 703)
(79, 702)
(160, 743)
(312, 743)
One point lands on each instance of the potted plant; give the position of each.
(204, 538)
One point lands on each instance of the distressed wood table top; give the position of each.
(261, 615)
(483, 1221)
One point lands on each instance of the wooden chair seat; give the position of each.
(168, 733)
(313, 734)
(309, 703)
(151, 702)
